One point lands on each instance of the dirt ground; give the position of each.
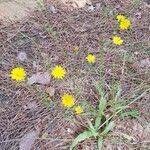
(48, 37)
(16, 9)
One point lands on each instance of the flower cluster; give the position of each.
(58, 72)
(69, 101)
(124, 24)
(117, 40)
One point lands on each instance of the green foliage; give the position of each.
(132, 114)
(100, 143)
(108, 128)
(47, 101)
(50, 30)
(93, 131)
(103, 121)
(101, 106)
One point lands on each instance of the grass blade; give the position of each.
(97, 122)
(132, 114)
(108, 128)
(92, 129)
(101, 106)
(100, 143)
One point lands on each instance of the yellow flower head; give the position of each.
(58, 72)
(18, 74)
(68, 100)
(78, 110)
(125, 24)
(120, 18)
(91, 58)
(117, 40)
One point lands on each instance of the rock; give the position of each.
(40, 78)
(16, 10)
(28, 140)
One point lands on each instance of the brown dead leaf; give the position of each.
(30, 105)
(44, 135)
(50, 91)
(22, 56)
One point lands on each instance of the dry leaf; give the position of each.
(34, 64)
(98, 6)
(44, 135)
(22, 56)
(40, 78)
(28, 140)
(30, 105)
(50, 91)
(52, 9)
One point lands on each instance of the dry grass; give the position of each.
(49, 40)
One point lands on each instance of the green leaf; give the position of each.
(102, 105)
(108, 128)
(133, 114)
(90, 124)
(118, 93)
(97, 122)
(102, 100)
(92, 129)
(81, 137)
(100, 143)
(120, 108)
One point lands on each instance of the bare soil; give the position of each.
(16, 9)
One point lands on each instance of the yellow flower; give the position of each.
(78, 110)
(125, 24)
(117, 40)
(68, 100)
(120, 17)
(58, 72)
(18, 74)
(91, 58)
